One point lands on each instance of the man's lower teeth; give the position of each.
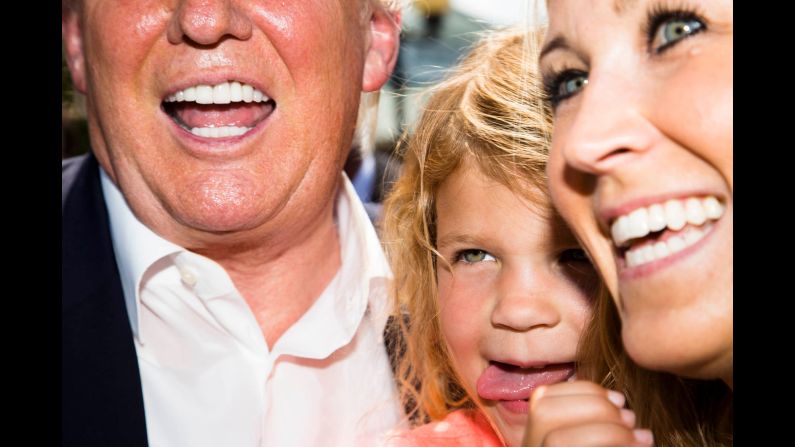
(219, 132)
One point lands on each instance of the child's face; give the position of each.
(517, 298)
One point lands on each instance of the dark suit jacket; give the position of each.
(101, 397)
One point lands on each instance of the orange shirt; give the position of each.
(461, 428)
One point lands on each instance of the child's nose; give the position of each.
(525, 301)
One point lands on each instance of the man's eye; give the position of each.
(472, 256)
(671, 30)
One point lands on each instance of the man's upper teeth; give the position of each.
(223, 93)
(673, 214)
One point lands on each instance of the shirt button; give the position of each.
(188, 276)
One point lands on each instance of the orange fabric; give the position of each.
(462, 428)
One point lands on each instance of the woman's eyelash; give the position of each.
(660, 13)
(552, 82)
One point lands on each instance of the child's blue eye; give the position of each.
(471, 256)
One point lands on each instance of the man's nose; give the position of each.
(207, 22)
(608, 128)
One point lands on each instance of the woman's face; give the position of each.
(641, 167)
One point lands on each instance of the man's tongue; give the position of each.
(501, 381)
(215, 115)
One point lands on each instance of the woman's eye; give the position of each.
(572, 85)
(673, 29)
(564, 85)
(474, 255)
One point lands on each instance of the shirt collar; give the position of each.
(358, 287)
(360, 283)
(136, 246)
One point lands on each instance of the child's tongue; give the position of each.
(501, 381)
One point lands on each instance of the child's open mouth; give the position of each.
(512, 385)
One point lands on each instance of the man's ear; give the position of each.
(73, 45)
(381, 57)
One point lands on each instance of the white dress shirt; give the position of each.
(208, 375)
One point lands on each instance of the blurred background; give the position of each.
(435, 34)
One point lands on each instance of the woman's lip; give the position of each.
(650, 268)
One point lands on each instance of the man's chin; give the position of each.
(220, 202)
(222, 220)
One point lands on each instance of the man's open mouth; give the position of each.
(224, 110)
(657, 231)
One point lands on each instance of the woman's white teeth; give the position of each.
(661, 249)
(657, 219)
(223, 93)
(713, 208)
(695, 211)
(219, 132)
(673, 214)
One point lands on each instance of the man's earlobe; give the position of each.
(384, 44)
(73, 46)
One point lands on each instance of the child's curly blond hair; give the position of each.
(490, 110)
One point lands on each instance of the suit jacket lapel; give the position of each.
(101, 397)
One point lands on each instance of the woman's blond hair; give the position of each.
(489, 111)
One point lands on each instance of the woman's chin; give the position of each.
(685, 348)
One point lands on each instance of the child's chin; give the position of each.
(513, 437)
(511, 426)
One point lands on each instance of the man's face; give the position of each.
(232, 162)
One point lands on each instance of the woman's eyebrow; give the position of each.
(557, 43)
(560, 43)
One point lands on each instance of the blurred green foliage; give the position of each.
(73, 124)
(67, 94)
